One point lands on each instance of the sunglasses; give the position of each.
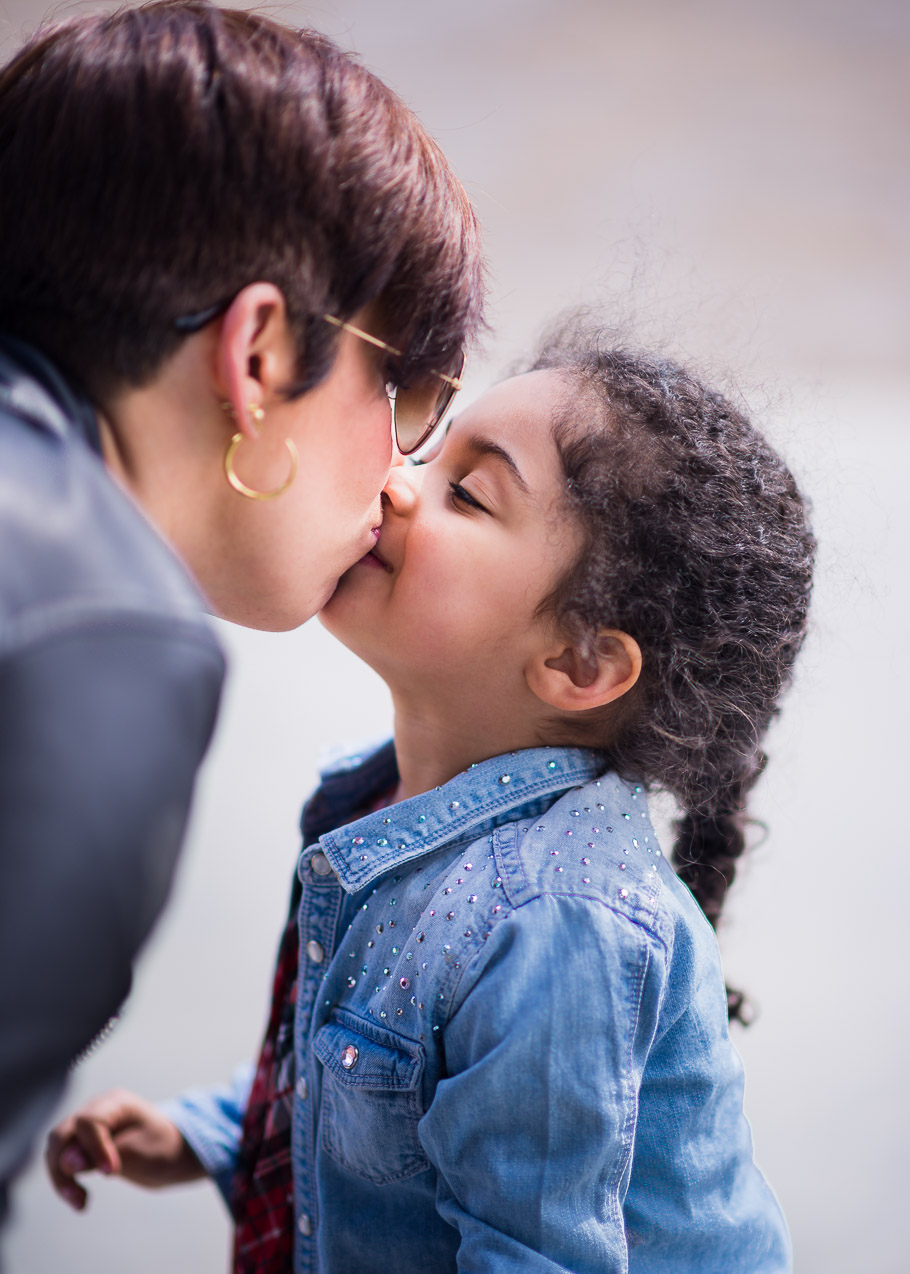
(417, 408)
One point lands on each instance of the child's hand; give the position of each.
(118, 1134)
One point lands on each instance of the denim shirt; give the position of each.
(511, 1038)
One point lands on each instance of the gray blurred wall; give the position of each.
(730, 179)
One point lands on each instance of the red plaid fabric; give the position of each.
(262, 1191)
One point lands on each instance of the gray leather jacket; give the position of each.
(110, 677)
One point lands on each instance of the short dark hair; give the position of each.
(156, 160)
(697, 544)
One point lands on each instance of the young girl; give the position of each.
(498, 1037)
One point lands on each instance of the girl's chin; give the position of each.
(344, 619)
(366, 566)
(359, 638)
(341, 590)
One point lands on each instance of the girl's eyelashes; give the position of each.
(461, 496)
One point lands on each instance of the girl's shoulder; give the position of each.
(579, 908)
(597, 843)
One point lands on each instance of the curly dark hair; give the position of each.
(697, 544)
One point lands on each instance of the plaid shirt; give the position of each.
(262, 1191)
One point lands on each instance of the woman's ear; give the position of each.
(255, 355)
(573, 678)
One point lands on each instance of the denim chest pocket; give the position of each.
(371, 1101)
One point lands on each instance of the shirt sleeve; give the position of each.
(531, 1132)
(211, 1121)
(101, 732)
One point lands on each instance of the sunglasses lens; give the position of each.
(417, 413)
(419, 409)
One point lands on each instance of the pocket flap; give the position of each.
(361, 1055)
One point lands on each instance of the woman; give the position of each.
(220, 241)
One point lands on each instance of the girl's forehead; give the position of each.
(522, 405)
(515, 420)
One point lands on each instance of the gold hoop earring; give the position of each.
(250, 492)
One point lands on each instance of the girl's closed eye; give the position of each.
(462, 496)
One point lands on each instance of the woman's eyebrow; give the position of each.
(487, 447)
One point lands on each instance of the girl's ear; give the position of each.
(573, 679)
(255, 354)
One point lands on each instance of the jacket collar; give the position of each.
(31, 387)
(484, 795)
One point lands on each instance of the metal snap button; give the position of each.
(320, 864)
(349, 1055)
(304, 1225)
(301, 1088)
(315, 951)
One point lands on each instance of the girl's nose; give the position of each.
(399, 495)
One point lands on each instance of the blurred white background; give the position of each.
(731, 178)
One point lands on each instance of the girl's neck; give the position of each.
(434, 742)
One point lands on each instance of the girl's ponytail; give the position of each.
(697, 544)
(712, 837)
(707, 850)
(705, 853)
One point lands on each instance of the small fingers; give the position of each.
(96, 1145)
(85, 1142)
(73, 1160)
(75, 1196)
(63, 1158)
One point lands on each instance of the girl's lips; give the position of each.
(374, 556)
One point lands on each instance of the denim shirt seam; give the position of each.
(466, 961)
(505, 838)
(645, 918)
(631, 1106)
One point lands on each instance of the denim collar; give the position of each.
(486, 793)
(33, 388)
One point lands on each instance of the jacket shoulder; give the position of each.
(75, 545)
(597, 842)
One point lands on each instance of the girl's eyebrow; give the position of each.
(487, 447)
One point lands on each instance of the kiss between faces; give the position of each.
(473, 539)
